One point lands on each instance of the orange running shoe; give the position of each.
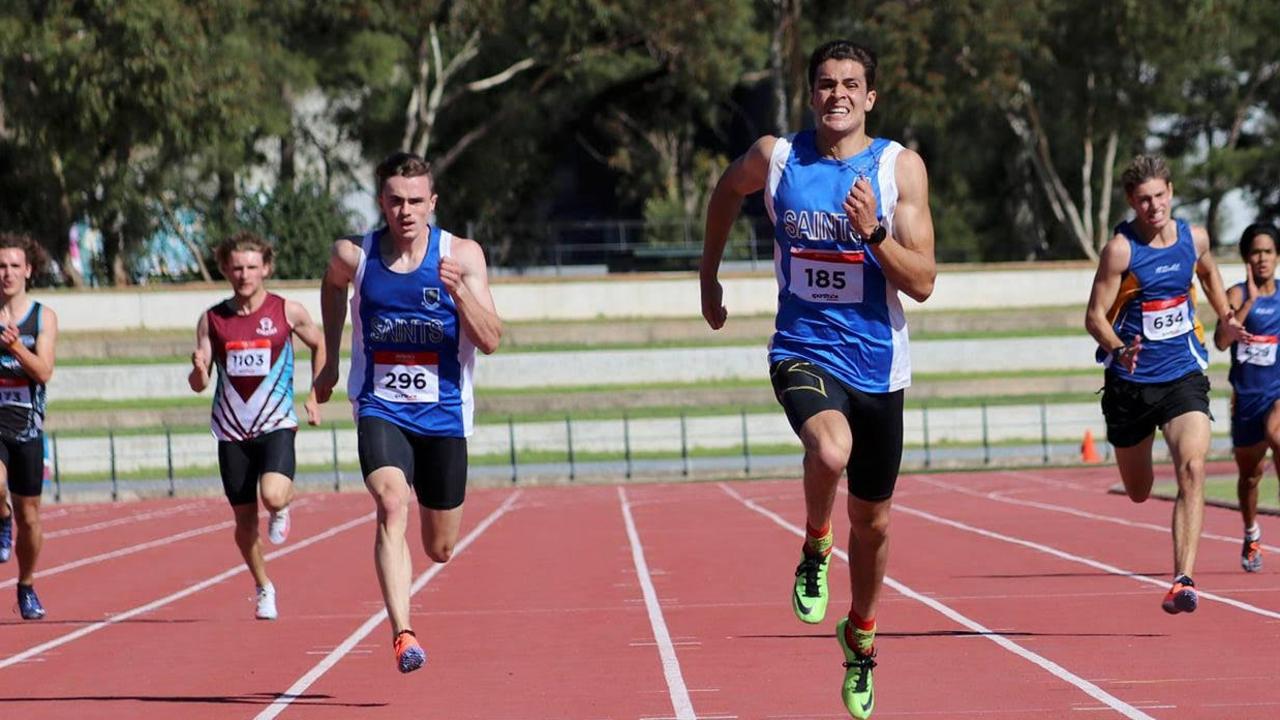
(409, 654)
(1251, 555)
(1181, 597)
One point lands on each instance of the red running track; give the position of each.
(1020, 594)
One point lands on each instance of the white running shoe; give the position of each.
(278, 527)
(266, 603)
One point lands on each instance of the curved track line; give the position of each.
(295, 691)
(1053, 668)
(185, 592)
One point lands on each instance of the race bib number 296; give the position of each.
(406, 377)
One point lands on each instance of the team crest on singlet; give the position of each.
(431, 298)
(266, 327)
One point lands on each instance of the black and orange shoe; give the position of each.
(1251, 555)
(409, 654)
(1181, 597)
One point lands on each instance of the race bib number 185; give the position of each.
(826, 276)
(406, 377)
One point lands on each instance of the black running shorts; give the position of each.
(1134, 410)
(435, 466)
(875, 420)
(23, 460)
(243, 462)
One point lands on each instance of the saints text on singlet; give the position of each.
(411, 364)
(21, 397)
(836, 308)
(254, 357)
(1158, 302)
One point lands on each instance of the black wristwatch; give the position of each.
(877, 236)
(1117, 352)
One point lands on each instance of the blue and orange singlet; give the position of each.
(1158, 302)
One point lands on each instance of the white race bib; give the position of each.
(406, 377)
(1164, 319)
(1262, 351)
(248, 358)
(826, 276)
(15, 391)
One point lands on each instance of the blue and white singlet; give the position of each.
(1254, 371)
(411, 363)
(1158, 301)
(836, 309)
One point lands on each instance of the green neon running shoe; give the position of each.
(809, 595)
(858, 691)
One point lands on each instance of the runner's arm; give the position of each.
(343, 260)
(1106, 286)
(38, 364)
(1242, 305)
(466, 276)
(744, 176)
(907, 257)
(1215, 293)
(202, 357)
(311, 335)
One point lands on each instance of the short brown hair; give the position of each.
(243, 241)
(1143, 168)
(403, 164)
(37, 257)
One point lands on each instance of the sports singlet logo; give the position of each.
(431, 298)
(412, 331)
(266, 327)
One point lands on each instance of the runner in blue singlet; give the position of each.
(1142, 312)
(1255, 378)
(852, 229)
(420, 310)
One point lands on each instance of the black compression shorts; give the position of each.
(24, 462)
(875, 420)
(243, 462)
(435, 466)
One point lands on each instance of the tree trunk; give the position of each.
(62, 243)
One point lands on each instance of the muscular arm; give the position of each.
(1106, 286)
(1231, 328)
(744, 176)
(38, 364)
(466, 276)
(201, 357)
(1242, 305)
(343, 260)
(907, 257)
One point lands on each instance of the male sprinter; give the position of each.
(249, 338)
(421, 308)
(1254, 378)
(1142, 312)
(851, 229)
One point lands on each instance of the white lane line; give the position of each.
(281, 703)
(1088, 562)
(680, 701)
(122, 552)
(174, 597)
(1002, 496)
(125, 520)
(1053, 668)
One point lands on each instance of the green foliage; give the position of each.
(300, 222)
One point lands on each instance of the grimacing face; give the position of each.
(840, 99)
(407, 204)
(1151, 201)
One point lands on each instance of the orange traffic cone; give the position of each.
(1088, 452)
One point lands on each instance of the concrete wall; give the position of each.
(653, 295)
